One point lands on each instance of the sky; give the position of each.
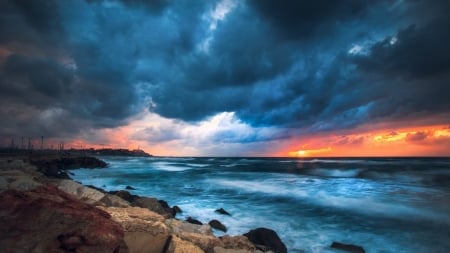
(228, 77)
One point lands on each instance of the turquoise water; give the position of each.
(384, 205)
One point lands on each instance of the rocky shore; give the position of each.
(42, 210)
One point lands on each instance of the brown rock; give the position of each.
(145, 231)
(46, 219)
(178, 245)
(237, 242)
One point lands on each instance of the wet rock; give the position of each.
(46, 219)
(177, 209)
(222, 211)
(217, 225)
(145, 231)
(267, 238)
(193, 221)
(155, 205)
(130, 188)
(348, 247)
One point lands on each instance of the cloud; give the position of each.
(282, 69)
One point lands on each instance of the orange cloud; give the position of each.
(420, 141)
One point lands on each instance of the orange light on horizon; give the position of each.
(419, 141)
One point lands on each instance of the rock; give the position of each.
(83, 193)
(130, 188)
(347, 247)
(224, 250)
(178, 245)
(177, 209)
(178, 226)
(155, 205)
(125, 195)
(145, 231)
(222, 211)
(46, 219)
(217, 225)
(17, 180)
(55, 167)
(113, 201)
(266, 237)
(193, 221)
(237, 242)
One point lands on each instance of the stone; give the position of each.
(178, 226)
(267, 238)
(145, 231)
(154, 205)
(348, 247)
(18, 180)
(193, 221)
(46, 219)
(237, 242)
(130, 188)
(83, 193)
(178, 245)
(125, 195)
(224, 250)
(177, 209)
(217, 225)
(222, 211)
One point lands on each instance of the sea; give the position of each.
(381, 204)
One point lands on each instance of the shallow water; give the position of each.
(384, 205)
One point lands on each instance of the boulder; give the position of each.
(217, 225)
(177, 209)
(125, 195)
(17, 180)
(267, 238)
(222, 211)
(145, 231)
(177, 226)
(347, 247)
(199, 235)
(237, 242)
(178, 245)
(46, 219)
(83, 193)
(193, 221)
(130, 188)
(154, 205)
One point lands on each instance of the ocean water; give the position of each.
(382, 204)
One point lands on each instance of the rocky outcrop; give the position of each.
(145, 231)
(347, 247)
(56, 167)
(46, 219)
(266, 238)
(41, 214)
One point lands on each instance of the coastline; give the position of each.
(38, 195)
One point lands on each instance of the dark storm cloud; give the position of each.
(310, 65)
(305, 19)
